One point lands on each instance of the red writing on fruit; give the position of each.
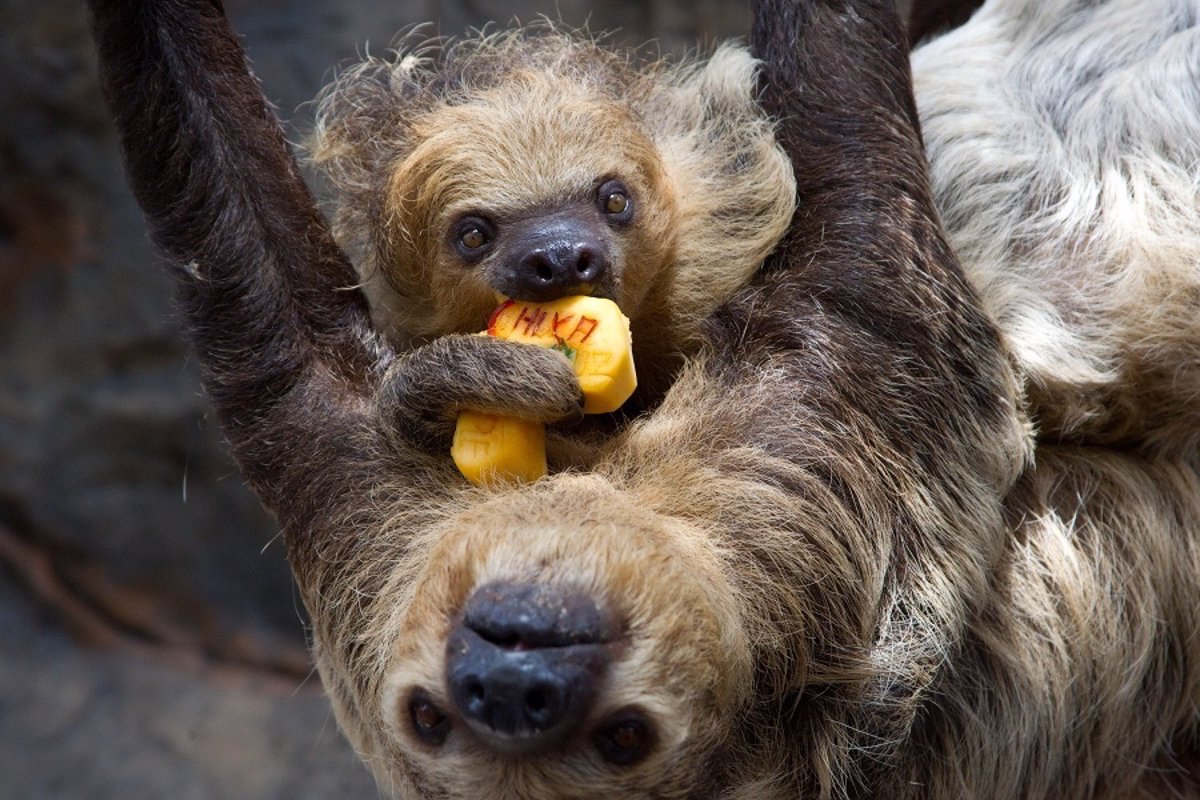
(583, 329)
(533, 321)
(560, 322)
(586, 327)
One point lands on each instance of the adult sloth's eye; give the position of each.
(428, 721)
(615, 201)
(626, 739)
(472, 237)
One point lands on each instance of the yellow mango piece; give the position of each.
(591, 332)
(488, 447)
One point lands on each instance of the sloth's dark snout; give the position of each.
(524, 664)
(555, 256)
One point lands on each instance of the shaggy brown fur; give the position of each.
(525, 126)
(835, 570)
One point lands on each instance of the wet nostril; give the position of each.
(552, 261)
(583, 264)
(544, 707)
(535, 701)
(521, 700)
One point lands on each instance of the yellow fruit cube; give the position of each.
(488, 447)
(591, 332)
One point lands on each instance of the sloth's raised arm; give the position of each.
(848, 122)
(284, 345)
(863, 363)
(865, 247)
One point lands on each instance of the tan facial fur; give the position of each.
(694, 625)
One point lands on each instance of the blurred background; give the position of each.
(151, 642)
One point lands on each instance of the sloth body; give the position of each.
(836, 560)
(534, 164)
(1065, 170)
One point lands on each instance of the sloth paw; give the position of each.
(423, 393)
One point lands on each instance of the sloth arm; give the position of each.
(287, 352)
(422, 394)
(865, 252)
(860, 375)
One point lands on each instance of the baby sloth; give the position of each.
(535, 164)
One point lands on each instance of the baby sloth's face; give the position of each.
(549, 253)
(539, 166)
(531, 197)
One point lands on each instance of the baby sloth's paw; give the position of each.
(423, 393)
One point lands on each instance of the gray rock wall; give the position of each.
(150, 640)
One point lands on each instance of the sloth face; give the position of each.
(534, 164)
(536, 659)
(530, 197)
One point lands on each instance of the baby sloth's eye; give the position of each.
(615, 201)
(428, 721)
(472, 237)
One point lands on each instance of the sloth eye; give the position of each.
(429, 723)
(472, 237)
(625, 740)
(615, 201)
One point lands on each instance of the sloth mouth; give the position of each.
(532, 615)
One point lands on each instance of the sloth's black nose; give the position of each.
(555, 257)
(524, 664)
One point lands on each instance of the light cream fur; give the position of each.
(1064, 139)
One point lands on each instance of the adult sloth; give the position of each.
(820, 567)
